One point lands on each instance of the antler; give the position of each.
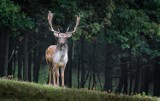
(77, 23)
(50, 16)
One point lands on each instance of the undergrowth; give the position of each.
(11, 90)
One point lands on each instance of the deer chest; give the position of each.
(60, 57)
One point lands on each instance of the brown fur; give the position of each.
(49, 56)
(54, 67)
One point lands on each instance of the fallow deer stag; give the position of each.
(57, 55)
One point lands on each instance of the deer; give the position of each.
(57, 55)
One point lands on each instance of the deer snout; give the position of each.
(62, 41)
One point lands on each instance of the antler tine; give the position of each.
(77, 23)
(50, 16)
(67, 29)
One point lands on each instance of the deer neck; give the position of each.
(62, 51)
(62, 47)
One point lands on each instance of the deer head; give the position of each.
(62, 37)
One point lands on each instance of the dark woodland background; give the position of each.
(116, 47)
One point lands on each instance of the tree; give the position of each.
(12, 19)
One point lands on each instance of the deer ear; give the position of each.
(69, 35)
(56, 34)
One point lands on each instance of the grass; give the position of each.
(11, 90)
(31, 91)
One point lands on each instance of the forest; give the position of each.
(116, 47)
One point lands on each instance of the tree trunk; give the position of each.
(78, 77)
(130, 76)
(14, 61)
(125, 76)
(137, 78)
(99, 81)
(82, 63)
(156, 91)
(29, 66)
(6, 54)
(89, 74)
(108, 70)
(2, 44)
(37, 62)
(145, 84)
(6, 50)
(20, 64)
(20, 59)
(11, 56)
(123, 81)
(25, 52)
(94, 64)
(10, 64)
(90, 78)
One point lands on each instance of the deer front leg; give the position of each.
(50, 74)
(54, 77)
(57, 76)
(62, 75)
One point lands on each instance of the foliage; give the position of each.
(123, 22)
(11, 16)
(35, 92)
(133, 28)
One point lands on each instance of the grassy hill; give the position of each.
(11, 90)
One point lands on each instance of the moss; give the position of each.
(11, 90)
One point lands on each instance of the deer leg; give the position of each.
(57, 76)
(54, 77)
(50, 73)
(62, 75)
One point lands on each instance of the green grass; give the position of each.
(11, 90)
